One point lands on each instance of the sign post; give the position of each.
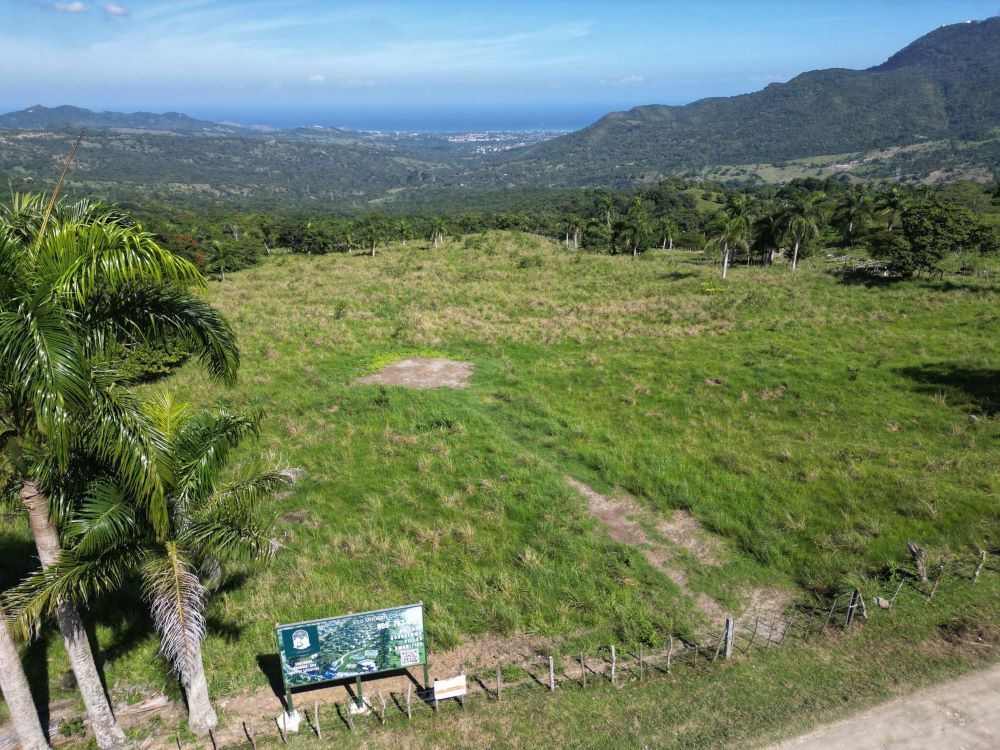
(339, 648)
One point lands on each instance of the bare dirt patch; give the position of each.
(684, 530)
(422, 372)
(621, 515)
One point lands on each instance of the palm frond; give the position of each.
(151, 312)
(73, 577)
(177, 600)
(40, 360)
(105, 519)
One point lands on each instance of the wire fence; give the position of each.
(616, 665)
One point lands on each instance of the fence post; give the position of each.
(552, 675)
(670, 653)
(937, 581)
(830, 615)
(498, 683)
(729, 638)
(583, 670)
(614, 665)
(851, 608)
(979, 567)
(409, 703)
(641, 665)
(319, 731)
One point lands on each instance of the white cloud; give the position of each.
(115, 9)
(357, 83)
(74, 7)
(625, 81)
(317, 78)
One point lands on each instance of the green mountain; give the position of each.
(58, 118)
(945, 85)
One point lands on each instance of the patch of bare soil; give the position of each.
(620, 515)
(423, 372)
(684, 530)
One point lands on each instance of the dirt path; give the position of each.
(963, 714)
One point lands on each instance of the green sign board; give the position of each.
(351, 646)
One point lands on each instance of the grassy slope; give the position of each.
(841, 429)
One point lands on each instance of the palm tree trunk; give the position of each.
(795, 256)
(201, 715)
(17, 694)
(671, 243)
(725, 260)
(108, 734)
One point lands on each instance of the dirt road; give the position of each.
(963, 714)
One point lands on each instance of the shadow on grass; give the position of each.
(865, 278)
(977, 386)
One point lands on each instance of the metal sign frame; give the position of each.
(307, 627)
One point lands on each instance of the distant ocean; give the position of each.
(445, 119)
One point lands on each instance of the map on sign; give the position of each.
(340, 647)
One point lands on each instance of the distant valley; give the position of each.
(931, 113)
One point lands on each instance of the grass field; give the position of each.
(813, 425)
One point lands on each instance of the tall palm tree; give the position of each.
(890, 204)
(802, 220)
(857, 207)
(220, 256)
(405, 231)
(17, 693)
(110, 541)
(438, 229)
(668, 230)
(70, 289)
(634, 230)
(727, 233)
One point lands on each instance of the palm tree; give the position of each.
(634, 229)
(438, 229)
(109, 540)
(608, 209)
(668, 230)
(70, 289)
(801, 220)
(890, 203)
(405, 231)
(17, 693)
(727, 233)
(220, 256)
(571, 228)
(855, 209)
(372, 232)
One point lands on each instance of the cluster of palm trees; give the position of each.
(116, 489)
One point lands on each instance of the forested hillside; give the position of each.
(943, 86)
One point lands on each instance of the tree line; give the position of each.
(910, 227)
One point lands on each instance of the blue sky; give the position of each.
(251, 60)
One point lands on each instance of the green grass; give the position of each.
(840, 430)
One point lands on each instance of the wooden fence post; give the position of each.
(830, 615)
(979, 567)
(670, 653)
(498, 683)
(614, 666)
(918, 557)
(729, 638)
(937, 581)
(851, 608)
(409, 701)
(583, 670)
(552, 675)
(641, 665)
